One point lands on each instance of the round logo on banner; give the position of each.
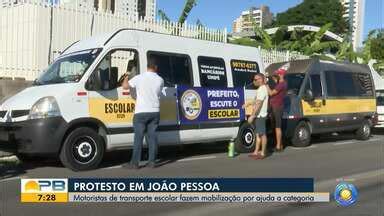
(191, 104)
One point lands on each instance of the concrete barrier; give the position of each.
(9, 86)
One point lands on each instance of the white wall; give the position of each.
(27, 44)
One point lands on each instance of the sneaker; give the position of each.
(131, 166)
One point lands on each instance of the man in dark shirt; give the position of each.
(277, 95)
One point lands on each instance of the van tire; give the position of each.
(245, 140)
(83, 149)
(302, 135)
(364, 131)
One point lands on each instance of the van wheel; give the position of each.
(83, 149)
(364, 132)
(245, 140)
(302, 135)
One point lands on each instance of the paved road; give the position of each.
(328, 160)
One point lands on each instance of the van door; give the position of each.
(175, 69)
(316, 110)
(112, 105)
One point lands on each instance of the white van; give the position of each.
(77, 111)
(380, 108)
(379, 88)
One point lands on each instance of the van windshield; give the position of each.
(69, 68)
(380, 97)
(294, 82)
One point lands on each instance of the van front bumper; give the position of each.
(380, 121)
(33, 137)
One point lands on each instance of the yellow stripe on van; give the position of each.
(122, 110)
(168, 110)
(112, 111)
(338, 106)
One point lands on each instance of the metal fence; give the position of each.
(273, 56)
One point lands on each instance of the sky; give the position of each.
(221, 13)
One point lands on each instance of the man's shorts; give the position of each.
(277, 114)
(260, 126)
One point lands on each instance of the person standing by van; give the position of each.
(277, 95)
(259, 117)
(148, 86)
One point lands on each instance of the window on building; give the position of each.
(175, 69)
(212, 72)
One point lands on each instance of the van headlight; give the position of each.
(44, 108)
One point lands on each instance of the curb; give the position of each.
(9, 159)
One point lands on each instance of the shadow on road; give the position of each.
(378, 131)
(167, 154)
(10, 170)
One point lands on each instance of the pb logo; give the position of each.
(44, 185)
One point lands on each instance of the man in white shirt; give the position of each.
(148, 86)
(259, 116)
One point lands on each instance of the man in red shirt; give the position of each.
(277, 104)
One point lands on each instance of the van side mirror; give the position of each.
(308, 95)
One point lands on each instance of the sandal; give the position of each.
(253, 155)
(259, 157)
(279, 150)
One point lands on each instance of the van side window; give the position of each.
(339, 84)
(125, 61)
(316, 85)
(348, 84)
(212, 72)
(363, 84)
(175, 69)
(243, 73)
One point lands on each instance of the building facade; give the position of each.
(145, 9)
(354, 13)
(260, 16)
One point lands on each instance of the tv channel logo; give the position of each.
(345, 194)
(44, 185)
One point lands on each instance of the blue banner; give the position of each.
(197, 105)
(192, 185)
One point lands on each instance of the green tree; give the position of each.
(377, 45)
(374, 48)
(263, 39)
(346, 52)
(188, 6)
(312, 43)
(163, 15)
(317, 13)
